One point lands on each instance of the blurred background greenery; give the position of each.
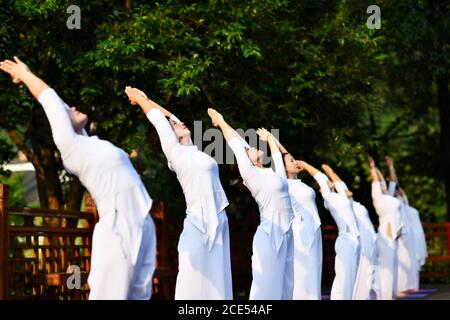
(335, 89)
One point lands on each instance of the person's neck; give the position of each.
(185, 141)
(292, 176)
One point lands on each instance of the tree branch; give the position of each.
(18, 140)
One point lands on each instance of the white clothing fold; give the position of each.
(204, 274)
(204, 250)
(307, 237)
(347, 243)
(388, 210)
(272, 264)
(122, 201)
(367, 284)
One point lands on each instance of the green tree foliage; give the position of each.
(309, 68)
(413, 117)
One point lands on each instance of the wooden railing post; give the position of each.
(90, 206)
(4, 207)
(448, 238)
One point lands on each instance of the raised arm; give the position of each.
(393, 180)
(279, 160)
(156, 116)
(63, 132)
(381, 179)
(321, 178)
(339, 185)
(373, 170)
(218, 121)
(330, 173)
(20, 72)
(275, 153)
(280, 146)
(164, 111)
(233, 139)
(309, 168)
(392, 173)
(376, 182)
(266, 136)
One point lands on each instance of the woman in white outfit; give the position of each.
(367, 284)
(305, 227)
(420, 242)
(124, 242)
(347, 242)
(272, 260)
(408, 266)
(389, 229)
(204, 271)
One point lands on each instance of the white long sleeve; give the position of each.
(279, 164)
(174, 118)
(341, 188)
(322, 180)
(376, 190)
(243, 142)
(107, 173)
(246, 167)
(392, 187)
(63, 133)
(167, 136)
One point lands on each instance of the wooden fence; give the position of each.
(38, 246)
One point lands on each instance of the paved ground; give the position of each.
(426, 292)
(430, 292)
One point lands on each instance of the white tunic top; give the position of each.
(341, 210)
(419, 234)
(271, 193)
(198, 175)
(106, 172)
(420, 242)
(367, 284)
(303, 199)
(367, 231)
(388, 211)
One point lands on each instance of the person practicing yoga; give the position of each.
(408, 264)
(367, 284)
(124, 240)
(306, 225)
(388, 210)
(204, 270)
(272, 259)
(347, 243)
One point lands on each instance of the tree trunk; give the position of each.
(75, 196)
(47, 175)
(42, 192)
(48, 179)
(128, 4)
(444, 135)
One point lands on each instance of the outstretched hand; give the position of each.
(263, 134)
(301, 165)
(16, 69)
(134, 94)
(216, 117)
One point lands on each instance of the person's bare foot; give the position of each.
(402, 294)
